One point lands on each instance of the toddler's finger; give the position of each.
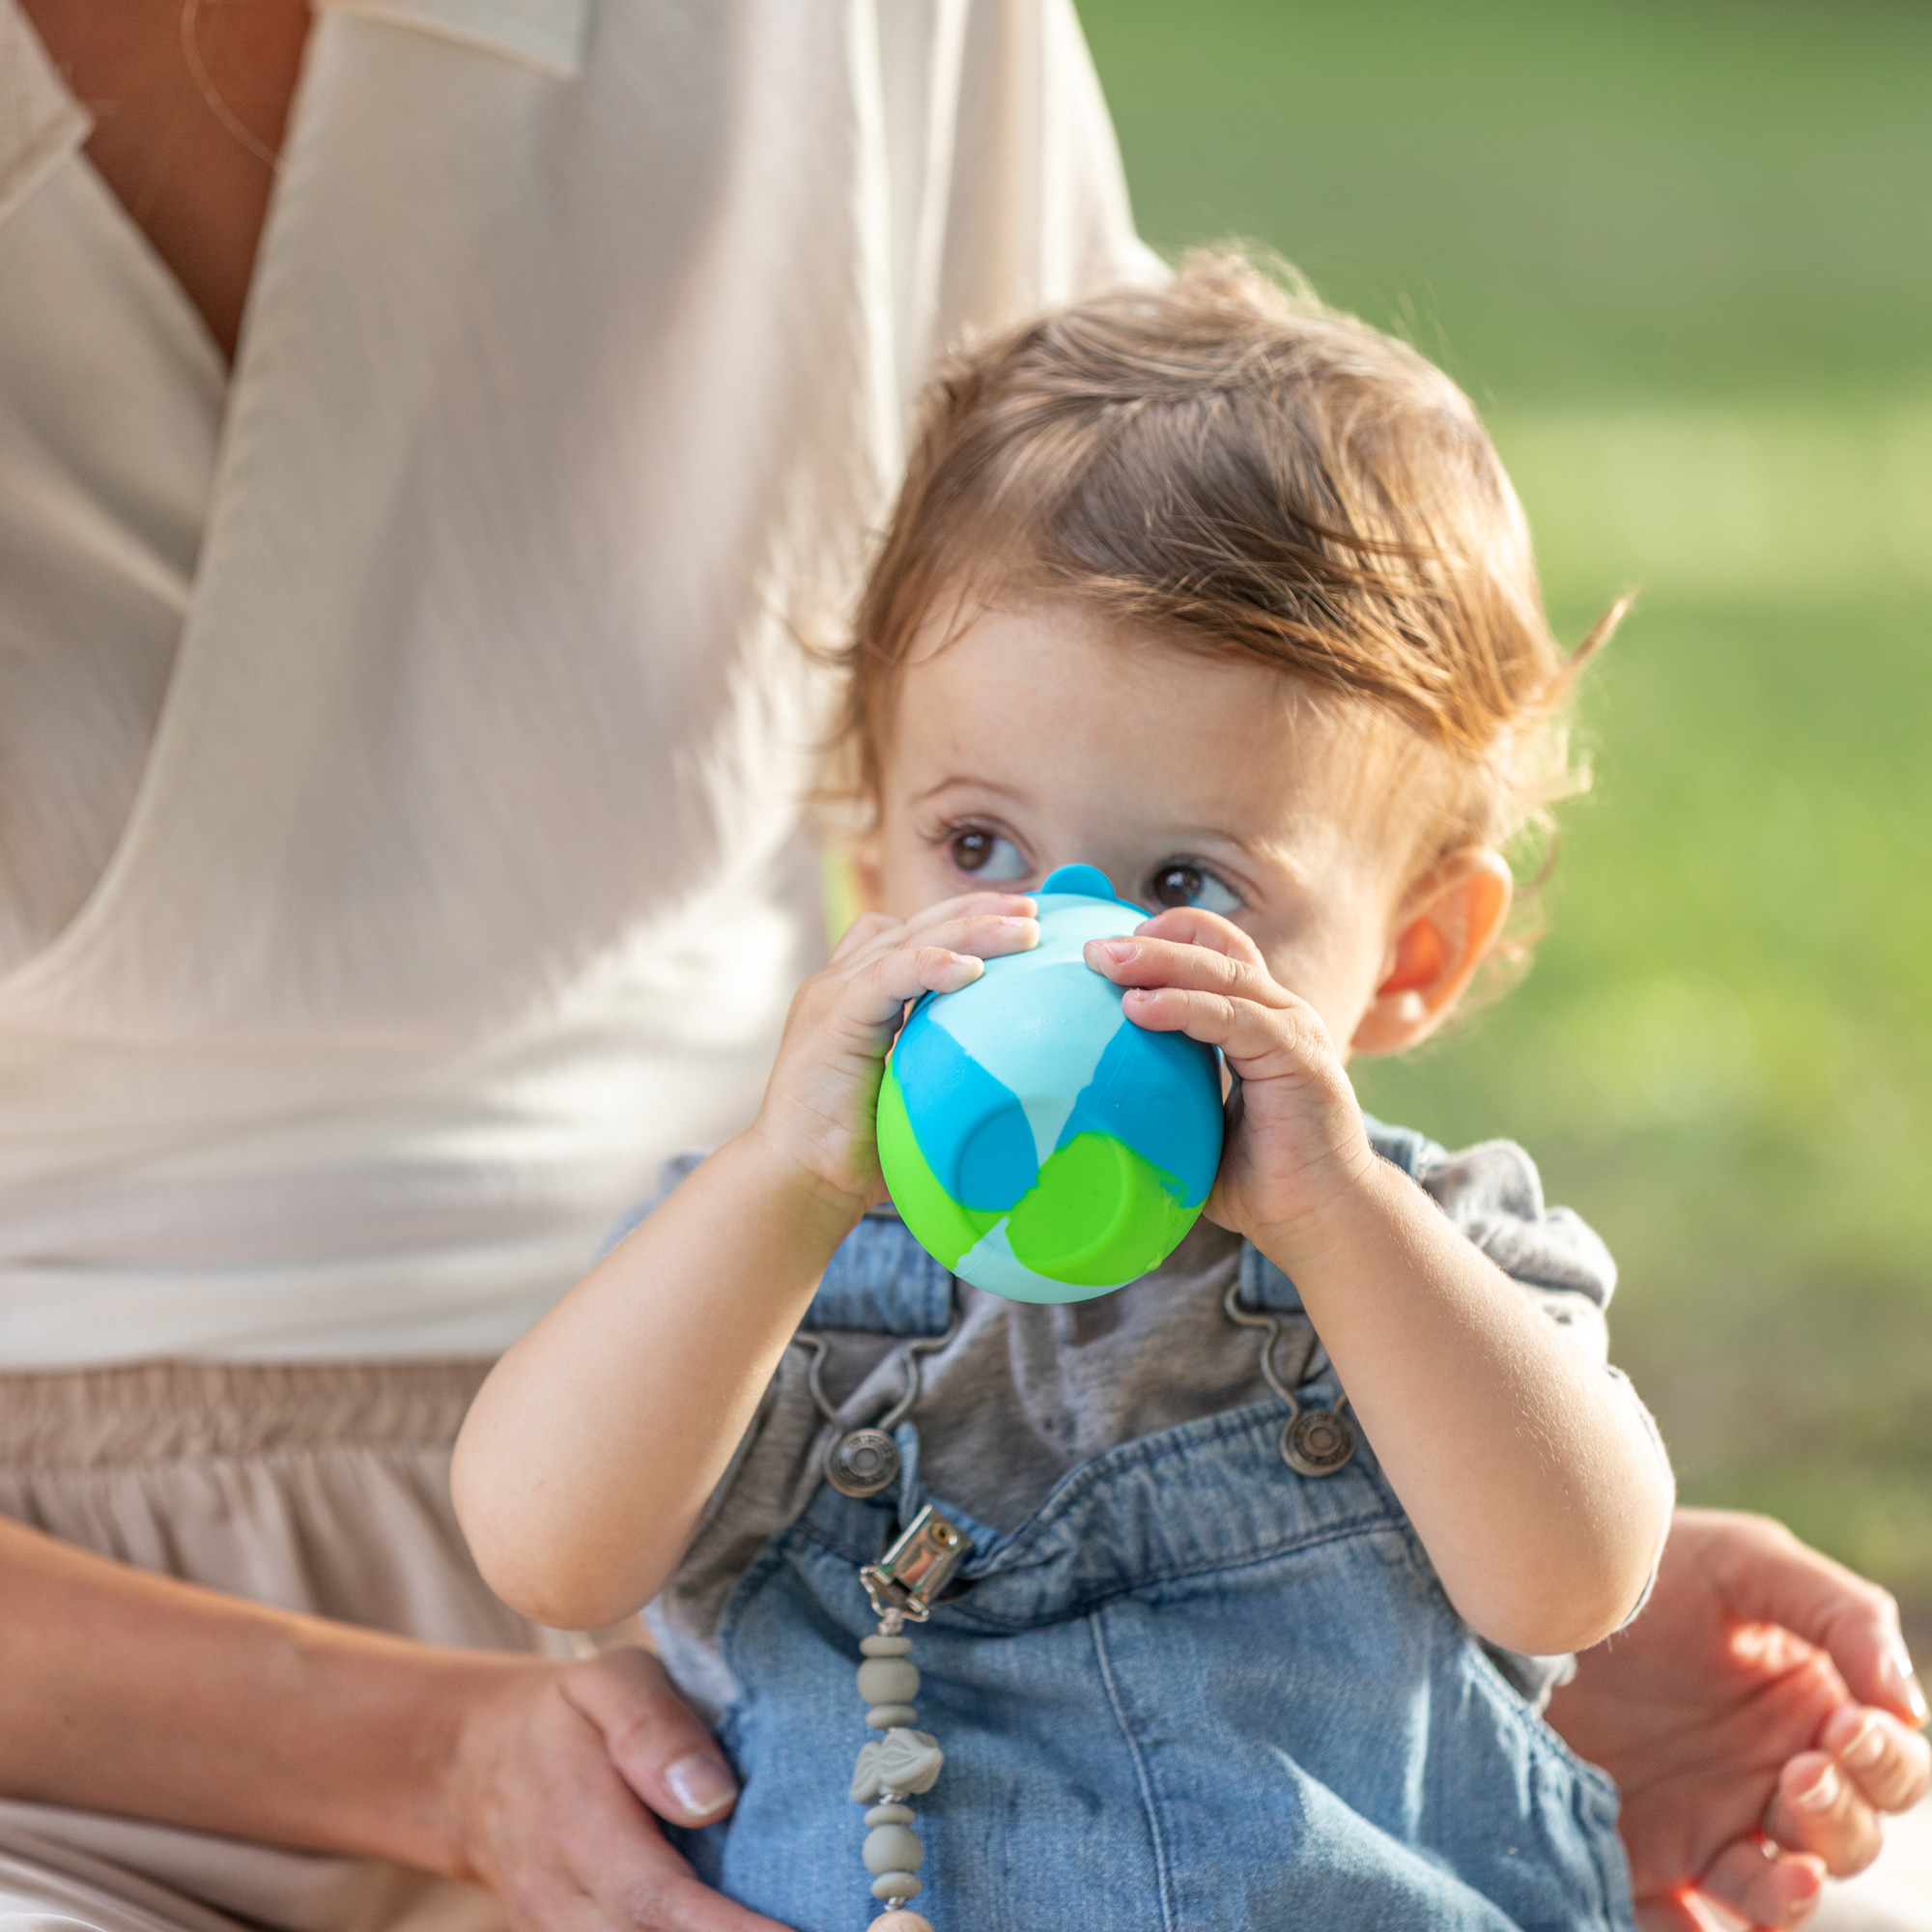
(988, 935)
(879, 990)
(1891, 1765)
(1145, 961)
(1259, 1041)
(1192, 926)
(930, 927)
(968, 905)
(865, 930)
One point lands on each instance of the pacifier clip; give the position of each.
(903, 1585)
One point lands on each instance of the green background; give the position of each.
(1680, 254)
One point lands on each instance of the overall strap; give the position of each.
(1401, 1146)
(1264, 1286)
(881, 1282)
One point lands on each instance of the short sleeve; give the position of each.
(1494, 1195)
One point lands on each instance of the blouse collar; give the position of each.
(41, 123)
(548, 35)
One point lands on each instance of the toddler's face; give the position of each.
(1037, 739)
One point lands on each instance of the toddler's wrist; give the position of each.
(1333, 1209)
(821, 1211)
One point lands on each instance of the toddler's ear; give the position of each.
(1445, 926)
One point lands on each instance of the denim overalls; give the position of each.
(1194, 1691)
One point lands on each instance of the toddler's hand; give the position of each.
(1295, 1141)
(819, 1104)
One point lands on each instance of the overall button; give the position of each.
(862, 1463)
(1316, 1442)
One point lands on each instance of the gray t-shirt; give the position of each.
(1023, 1394)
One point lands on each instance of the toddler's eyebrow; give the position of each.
(965, 778)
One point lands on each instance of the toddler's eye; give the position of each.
(1183, 885)
(988, 855)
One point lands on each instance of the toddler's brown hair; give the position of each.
(1226, 465)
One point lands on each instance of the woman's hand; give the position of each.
(819, 1103)
(131, 1694)
(1295, 1140)
(549, 1793)
(1764, 1688)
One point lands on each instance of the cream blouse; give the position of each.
(401, 739)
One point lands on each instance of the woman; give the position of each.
(422, 432)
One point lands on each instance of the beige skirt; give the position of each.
(317, 1488)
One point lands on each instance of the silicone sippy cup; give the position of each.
(1037, 1141)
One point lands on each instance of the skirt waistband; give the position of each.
(157, 1413)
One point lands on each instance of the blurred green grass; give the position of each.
(1681, 255)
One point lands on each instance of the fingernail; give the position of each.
(1118, 951)
(1865, 1749)
(1822, 1795)
(700, 1785)
(1897, 1673)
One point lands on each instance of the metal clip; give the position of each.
(907, 1579)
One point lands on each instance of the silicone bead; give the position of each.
(887, 1646)
(890, 1814)
(884, 1716)
(896, 1886)
(887, 1680)
(899, 1922)
(891, 1848)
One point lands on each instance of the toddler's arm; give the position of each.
(589, 1452)
(1530, 1475)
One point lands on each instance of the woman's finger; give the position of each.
(1891, 1765)
(1190, 925)
(1143, 961)
(1769, 1576)
(656, 1742)
(1817, 1809)
(559, 1831)
(1668, 1915)
(1765, 1885)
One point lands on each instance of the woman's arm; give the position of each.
(1530, 1474)
(589, 1452)
(120, 1691)
(127, 1692)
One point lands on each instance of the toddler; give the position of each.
(1227, 595)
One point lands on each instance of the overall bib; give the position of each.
(1193, 1691)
